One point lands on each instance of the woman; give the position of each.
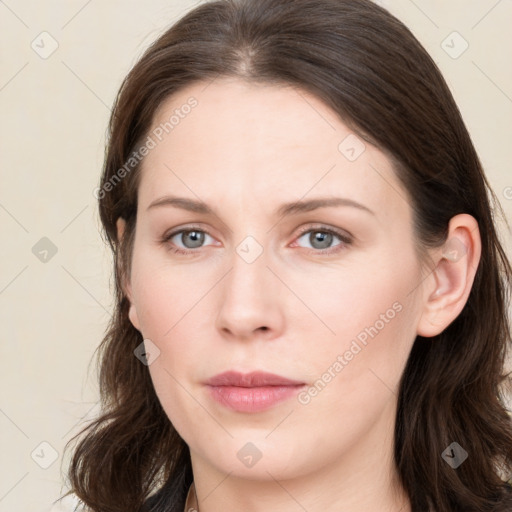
(311, 294)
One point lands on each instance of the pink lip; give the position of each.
(251, 392)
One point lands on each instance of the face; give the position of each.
(322, 294)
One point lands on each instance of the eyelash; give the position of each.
(345, 239)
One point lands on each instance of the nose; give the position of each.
(251, 301)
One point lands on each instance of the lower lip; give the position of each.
(252, 399)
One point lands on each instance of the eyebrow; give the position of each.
(286, 209)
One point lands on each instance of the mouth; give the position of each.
(252, 392)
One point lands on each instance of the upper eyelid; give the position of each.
(321, 227)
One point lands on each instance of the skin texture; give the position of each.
(246, 149)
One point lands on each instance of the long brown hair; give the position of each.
(368, 67)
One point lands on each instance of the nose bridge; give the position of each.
(248, 299)
(248, 279)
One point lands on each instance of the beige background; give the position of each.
(54, 116)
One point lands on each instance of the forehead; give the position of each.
(250, 143)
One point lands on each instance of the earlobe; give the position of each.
(453, 276)
(120, 225)
(132, 315)
(132, 312)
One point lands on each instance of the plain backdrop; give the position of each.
(61, 66)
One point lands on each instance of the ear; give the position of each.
(448, 286)
(126, 285)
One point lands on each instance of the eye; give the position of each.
(321, 239)
(191, 239)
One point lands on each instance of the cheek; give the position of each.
(358, 301)
(164, 294)
(169, 303)
(364, 331)
(354, 379)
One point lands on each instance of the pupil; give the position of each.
(324, 239)
(197, 238)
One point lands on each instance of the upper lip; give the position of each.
(251, 380)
